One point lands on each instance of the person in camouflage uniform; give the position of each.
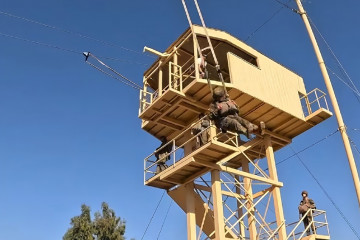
(199, 128)
(306, 204)
(225, 114)
(162, 155)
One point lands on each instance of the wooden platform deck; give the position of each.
(192, 166)
(174, 111)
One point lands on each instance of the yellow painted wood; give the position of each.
(276, 191)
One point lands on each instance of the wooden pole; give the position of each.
(249, 196)
(335, 104)
(190, 212)
(218, 205)
(276, 191)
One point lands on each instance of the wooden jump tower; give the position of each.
(228, 187)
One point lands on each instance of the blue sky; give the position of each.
(70, 135)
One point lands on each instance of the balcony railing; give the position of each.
(177, 153)
(313, 101)
(318, 223)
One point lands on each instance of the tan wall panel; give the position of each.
(270, 82)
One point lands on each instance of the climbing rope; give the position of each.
(217, 66)
(209, 41)
(196, 41)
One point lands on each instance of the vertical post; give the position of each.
(335, 104)
(160, 82)
(190, 212)
(218, 207)
(175, 70)
(249, 198)
(195, 42)
(240, 210)
(276, 190)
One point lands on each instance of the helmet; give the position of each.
(304, 192)
(218, 93)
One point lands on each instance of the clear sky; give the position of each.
(70, 135)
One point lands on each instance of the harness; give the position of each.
(226, 108)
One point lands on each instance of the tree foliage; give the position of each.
(105, 226)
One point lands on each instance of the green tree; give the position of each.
(107, 226)
(82, 227)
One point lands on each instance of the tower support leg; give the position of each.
(276, 191)
(240, 211)
(190, 212)
(218, 205)
(249, 197)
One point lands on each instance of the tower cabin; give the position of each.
(174, 95)
(219, 178)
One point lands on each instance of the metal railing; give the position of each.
(318, 225)
(313, 101)
(146, 98)
(175, 79)
(177, 153)
(175, 76)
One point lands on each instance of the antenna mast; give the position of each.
(334, 102)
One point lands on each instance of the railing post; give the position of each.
(180, 79)
(160, 79)
(308, 104)
(173, 149)
(175, 66)
(317, 99)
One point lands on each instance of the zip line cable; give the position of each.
(72, 33)
(119, 79)
(262, 25)
(355, 147)
(269, 19)
(39, 43)
(61, 48)
(153, 215)
(343, 81)
(306, 148)
(353, 88)
(128, 81)
(162, 225)
(287, 6)
(123, 60)
(123, 80)
(326, 194)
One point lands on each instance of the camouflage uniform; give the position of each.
(225, 114)
(203, 137)
(162, 155)
(305, 204)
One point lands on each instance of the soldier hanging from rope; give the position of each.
(225, 114)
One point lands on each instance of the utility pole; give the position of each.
(334, 102)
